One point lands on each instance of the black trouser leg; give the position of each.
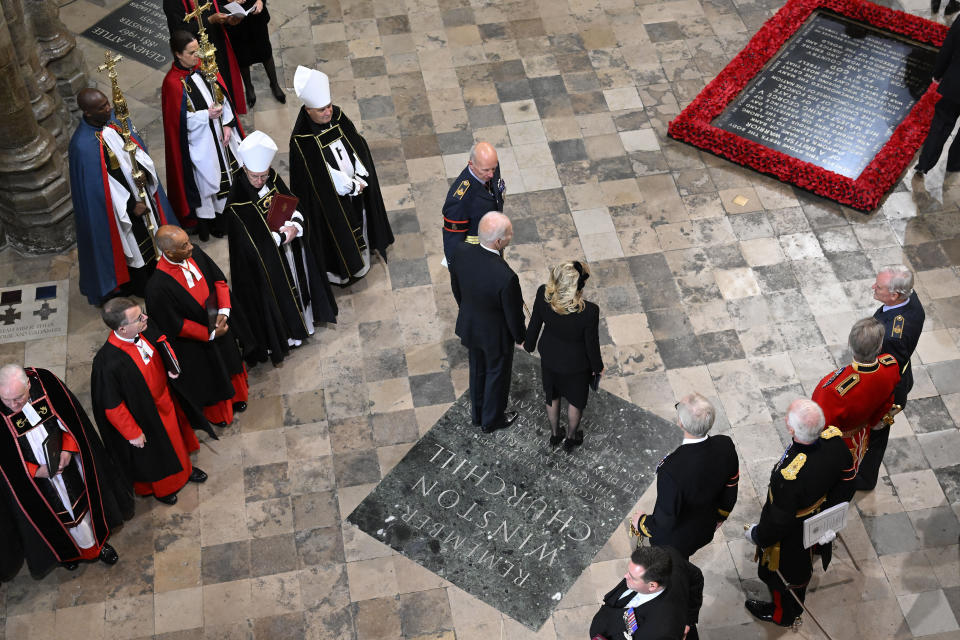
(869, 469)
(785, 606)
(497, 388)
(478, 368)
(945, 116)
(248, 86)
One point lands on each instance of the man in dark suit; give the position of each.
(815, 473)
(477, 190)
(490, 321)
(902, 317)
(659, 598)
(946, 72)
(696, 483)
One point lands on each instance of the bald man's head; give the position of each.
(483, 160)
(95, 106)
(174, 243)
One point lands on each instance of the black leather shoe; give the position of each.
(279, 94)
(70, 566)
(952, 7)
(251, 97)
(917, 171)
(220, 424)
(239, 407)
(108, 555)
(197, 475)
(555, 440)
(170, 499)
(764, 611)
(509, 417)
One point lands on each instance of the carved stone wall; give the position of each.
(41, 71)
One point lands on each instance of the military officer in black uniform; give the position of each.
(477, 190)
(696, 483)
(902, 316)
(814, 473)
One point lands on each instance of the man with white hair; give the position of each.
(278, 287)
(902, 317)
(477, 190)
(490, 320)
(814, 473)
(858, 397)
(696, 483)
(332, 172)
(59, 487)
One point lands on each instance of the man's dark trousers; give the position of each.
(489, 378)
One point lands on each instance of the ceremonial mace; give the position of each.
(122, 113)
(208, 60)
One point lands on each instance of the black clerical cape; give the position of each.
(115, 380)
(264, 286)
(337, 223)
(206, 366)
(34, 521)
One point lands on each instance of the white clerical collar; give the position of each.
(896, 306)
(489, 249)
(146, 352)
(640, 598)
(190, 272)
(693, 440)
(31, 414)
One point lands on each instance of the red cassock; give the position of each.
(175, 423)
(222, 411)
(855, 398)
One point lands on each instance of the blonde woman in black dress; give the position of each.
(569, 347)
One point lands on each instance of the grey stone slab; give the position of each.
(891, 533)
(928, 414)
(505, 517)
(409, 273)
(941, 448)
(949, 479)
(936, 527)
(431, 388)
(904, 454)
(945, 376)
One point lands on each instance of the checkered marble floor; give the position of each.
(747, 303)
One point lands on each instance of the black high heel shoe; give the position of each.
(278, 93)
(555, 440)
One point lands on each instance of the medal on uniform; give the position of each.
(630, 620)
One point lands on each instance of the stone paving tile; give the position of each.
(745, 299)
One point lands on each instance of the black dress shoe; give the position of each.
(952, 7)
(108, 554)
(170, 499)
(764, 611)
(251, 97)
(70, 566)
(197, 475)
(278, 94)
(555, 440)
(239, 407)
(509, 417)
(220, 424)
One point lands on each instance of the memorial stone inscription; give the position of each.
(504, 516)
(834, 93)
(137, 30)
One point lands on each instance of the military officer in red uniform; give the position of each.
(857, 397)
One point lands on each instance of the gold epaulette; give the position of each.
(887, 360)
(461, 190)
(790, 471)
(830, 432)
(473, 239)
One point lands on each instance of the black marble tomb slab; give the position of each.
(505, 517)
(138, 30)
(834, 93)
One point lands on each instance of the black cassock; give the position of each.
(336, 222)
(265, 286)
(206, 367)
(29, 525)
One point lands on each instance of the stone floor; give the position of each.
(749, 304)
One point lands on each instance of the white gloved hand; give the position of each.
(748, 533)
(828, 537)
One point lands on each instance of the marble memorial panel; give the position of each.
(34, 311)
(834, 93)
(137, 30)
(504, 516)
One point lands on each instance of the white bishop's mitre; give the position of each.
(256, 151)
(312, 87)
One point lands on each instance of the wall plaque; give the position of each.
(504, 516)
(137, 30)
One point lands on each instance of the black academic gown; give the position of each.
(115, 379)
(206, 367)
(336, 222)
(262, 280)
(29, 527)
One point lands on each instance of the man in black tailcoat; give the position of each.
(946, 72)
(490, 321)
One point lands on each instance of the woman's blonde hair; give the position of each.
(564, 291)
